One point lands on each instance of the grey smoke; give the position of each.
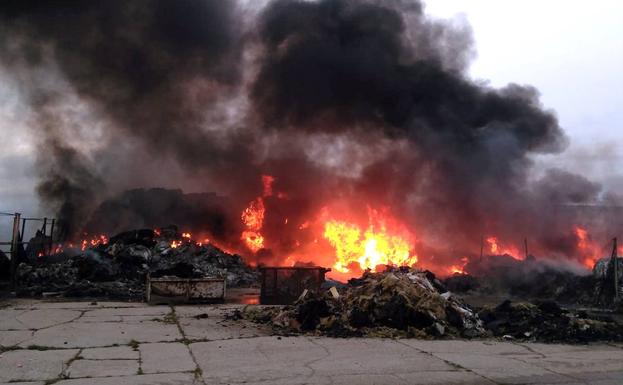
(377, 80)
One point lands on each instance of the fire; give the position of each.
(368, 249)
(495, 248)
(590, 252)
(582, 235)
(253, 217)
(493, 245)
(93, 241)
(456, 269)
(253, 240)
(175, 244)
(267, 183)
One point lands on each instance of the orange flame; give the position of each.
(93, 241)
(367, 249)
(253, 215)
(456, 269)
(206, 241)
(253, 219)
(253, 240)
(590, 252)
(496, 248)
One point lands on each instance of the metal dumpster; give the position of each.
(173, 289)
(283, 285)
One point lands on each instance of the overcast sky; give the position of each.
(572, 51)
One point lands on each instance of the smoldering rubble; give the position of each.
(531, 278)
(412, 303)
(118, 269)
(546, 321)
(399, 302)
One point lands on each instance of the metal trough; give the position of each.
(185, 290)
(283, 285)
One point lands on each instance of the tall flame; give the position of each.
(253, 217)
(368, 249)
(589, 250)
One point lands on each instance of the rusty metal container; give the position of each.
(283, 285)
(185, 290)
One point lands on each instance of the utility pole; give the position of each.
(525, 243)
(615, 268)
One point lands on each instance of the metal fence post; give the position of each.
(52, 236)
(14, 250)
(615, 267)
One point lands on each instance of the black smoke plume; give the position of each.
(367, 102)
(149, 70)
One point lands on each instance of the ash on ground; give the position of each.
(118, 269)
(546, 321)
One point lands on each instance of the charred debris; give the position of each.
(545, 303)
(411, 303)
(117, 269)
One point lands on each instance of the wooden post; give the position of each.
(615, 268)
(14, 250)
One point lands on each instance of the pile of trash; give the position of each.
(118, 268)
(399, 302)
(528, 279)
(546, 321)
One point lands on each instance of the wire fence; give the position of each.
(40, 244)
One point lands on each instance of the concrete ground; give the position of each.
(128, 343)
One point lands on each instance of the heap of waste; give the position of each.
(398, 302)
(118, 268)
(527, 279)
(546, 321)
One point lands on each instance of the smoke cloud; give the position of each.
(348, 104)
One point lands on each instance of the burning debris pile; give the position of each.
(546, 321)
(118, 267)
(398, 302)
(331, 106)
(404, 302)
(527, 279)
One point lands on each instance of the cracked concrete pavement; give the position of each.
(132, 343)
